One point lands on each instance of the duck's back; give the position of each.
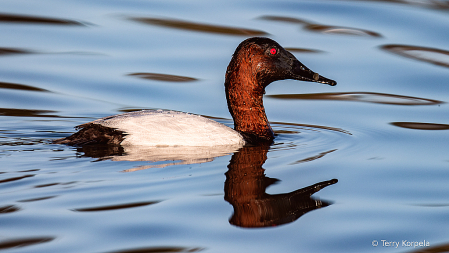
(168, 128)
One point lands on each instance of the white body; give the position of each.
(170, 128)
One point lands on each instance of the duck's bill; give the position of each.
(301, 72)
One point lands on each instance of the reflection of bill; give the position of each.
(245, 188)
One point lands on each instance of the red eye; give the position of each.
(273, 51)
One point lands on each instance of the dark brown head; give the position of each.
(255, 64)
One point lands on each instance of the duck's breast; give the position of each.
(170, 128)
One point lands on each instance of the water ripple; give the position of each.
(432, 4)
(163, 77)
(158, 250)
(36, 199)
(198, 27)
(315, 27)
(303, 50)
(341, 30)
(17, 18)
(421, 126)
(440, 248)
(431, 55)
(27, 113)
(367, 97)
(9, 209)
(115, 207)
(16, 86)
(23, 242)
(8, 51)
(11, 179)
(307, 126)
(312, 158)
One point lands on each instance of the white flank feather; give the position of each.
(170, 128)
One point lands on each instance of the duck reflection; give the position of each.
(158, 157)
(245, 185)
(245, 190)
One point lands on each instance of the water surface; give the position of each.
(353, 168)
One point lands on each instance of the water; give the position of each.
(372, 150)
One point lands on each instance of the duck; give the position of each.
(256, 62)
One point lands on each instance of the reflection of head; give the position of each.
(245, 188)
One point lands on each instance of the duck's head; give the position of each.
(255, 64)
(269, 62)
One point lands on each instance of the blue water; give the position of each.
(382, 132)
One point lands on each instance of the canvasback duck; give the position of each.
(255, 64)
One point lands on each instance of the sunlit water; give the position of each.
(372, 151)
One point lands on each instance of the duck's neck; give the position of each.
(244, 95)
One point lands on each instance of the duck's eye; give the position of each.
(273, 51)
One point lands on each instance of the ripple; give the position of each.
(159, 250)
(46, 185)
(431, 55)
(304, 143)
(341, 30)
(19, 141)
(312, 158)
(9, 51)
(115, 207)
(303, 50)
(285, 19)
(163, 77)
(198, 27)
(36, 199)
(23, 242)
(315, 27)
(27, 113)
(431, 205)
(368, 97)
(9, 209)
(17, 18)
(307, 126)
(441, 248)
(432, 4)
(421, 126)
(16, 86)
(11, 179)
